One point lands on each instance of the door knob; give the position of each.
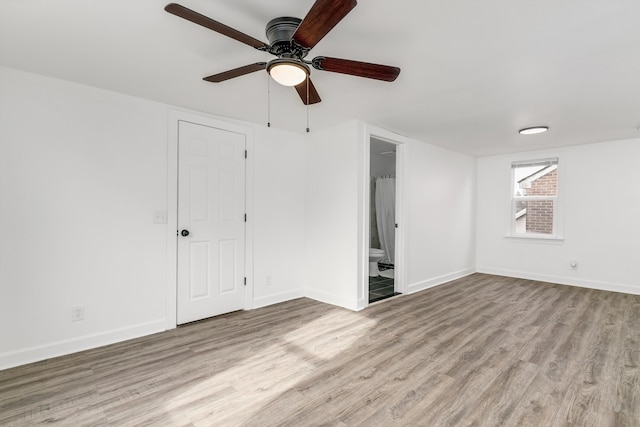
(185, 233)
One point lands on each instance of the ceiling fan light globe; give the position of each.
(288, 73)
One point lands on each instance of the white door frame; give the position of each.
(175, 116)
(366, 131)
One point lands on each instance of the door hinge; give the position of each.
(245, 281)
(245, 154)
(245, 217)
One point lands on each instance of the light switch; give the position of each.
(159, 217)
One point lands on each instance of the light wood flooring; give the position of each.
(480, 351)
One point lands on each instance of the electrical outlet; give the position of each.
(77, 313)
(573, 264)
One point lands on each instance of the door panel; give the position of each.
(228, 280)
(211, 203)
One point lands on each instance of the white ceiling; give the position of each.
(473, 72)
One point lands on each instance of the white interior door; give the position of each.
(211, 222)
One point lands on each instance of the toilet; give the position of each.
(375, 255)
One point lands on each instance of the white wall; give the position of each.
(598, 196)
(438, 221)
(81, 172)
(439, 215)
(279, 216)
(332, 215)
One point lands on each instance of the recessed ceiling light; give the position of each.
(533, 130)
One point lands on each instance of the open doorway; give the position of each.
(382, 220)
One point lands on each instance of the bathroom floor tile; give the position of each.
(379, 285)
(381, 288)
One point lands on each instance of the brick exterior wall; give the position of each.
(540, 213)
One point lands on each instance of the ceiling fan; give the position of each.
(290, 40)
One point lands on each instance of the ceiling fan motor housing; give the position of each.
(279, 32)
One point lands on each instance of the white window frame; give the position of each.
(557, 233)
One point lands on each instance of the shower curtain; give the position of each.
(386, 216)
(374, 240)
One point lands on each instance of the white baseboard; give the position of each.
(430, 283)
(562, 280)
(277, 298)
(87, 342)
(331, 299)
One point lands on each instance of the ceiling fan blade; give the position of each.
(301, 88)
(236, 72)
(323, 16)
(216, 26)
(356, 68)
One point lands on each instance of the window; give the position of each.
(534, 200)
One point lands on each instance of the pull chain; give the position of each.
(307, 103)
(268, 100)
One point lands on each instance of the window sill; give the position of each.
(535, 238)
